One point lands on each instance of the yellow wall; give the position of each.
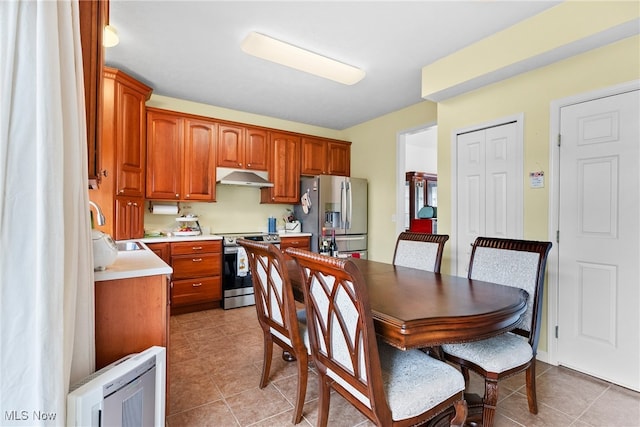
(531, 94)
(237, 209)
(373, 156)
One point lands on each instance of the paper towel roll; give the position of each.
(165, 209)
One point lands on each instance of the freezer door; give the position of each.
(356, 206)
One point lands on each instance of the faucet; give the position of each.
(101, 220)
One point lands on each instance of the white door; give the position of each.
(599, 238)
(489, 187)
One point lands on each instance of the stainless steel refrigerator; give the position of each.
(335, 203)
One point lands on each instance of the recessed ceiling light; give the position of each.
(265, 47)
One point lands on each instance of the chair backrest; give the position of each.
(420, 250)
(341, 332)
(517, 263)
(275, 303)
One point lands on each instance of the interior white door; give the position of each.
(488, 187)
(599, 239)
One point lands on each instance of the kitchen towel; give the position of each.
(165, 209)
(243, 262)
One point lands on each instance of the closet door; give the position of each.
(489, 187)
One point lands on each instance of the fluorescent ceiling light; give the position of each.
(265, 47)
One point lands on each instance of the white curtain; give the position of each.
(46, 276)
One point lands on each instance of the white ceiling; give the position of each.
(191, 50)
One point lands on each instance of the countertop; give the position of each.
(131, 264)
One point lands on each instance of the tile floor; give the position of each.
(216, 361)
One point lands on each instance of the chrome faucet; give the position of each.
(101, 220)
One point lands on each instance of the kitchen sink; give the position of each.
(129, 246)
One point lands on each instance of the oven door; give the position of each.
(237, 290)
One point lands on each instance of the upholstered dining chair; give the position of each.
(519, 263)
(419, 250)
(279, 319)
(390, 386)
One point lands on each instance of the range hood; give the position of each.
(242, 177)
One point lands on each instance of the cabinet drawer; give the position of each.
(195, 247)
(303, 242)
(192, 291)
(196, 265)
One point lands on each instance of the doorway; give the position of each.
(593, 282)
(417, 149)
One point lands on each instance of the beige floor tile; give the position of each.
(191, 392)
(341, 413)
(234, 381)
(289, 387)
(257, 404)
(516, 408)
(215, 414)
(617, 406)
(282, 419)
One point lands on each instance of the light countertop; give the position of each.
(131, 264)
(163, 239)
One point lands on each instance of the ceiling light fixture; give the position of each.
(110, 36)
(265, 47)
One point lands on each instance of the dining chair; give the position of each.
(390, 386)
(518, 263)
(279, 319)
(419, 250)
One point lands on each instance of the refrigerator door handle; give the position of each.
(349, 205)
(343, 203)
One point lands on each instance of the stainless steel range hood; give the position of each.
(242, 177)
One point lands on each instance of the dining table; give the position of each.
(414, 308)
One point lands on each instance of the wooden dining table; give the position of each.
(414, 308)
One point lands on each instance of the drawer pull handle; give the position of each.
(197, 248)
(195, 285)
(196, 259)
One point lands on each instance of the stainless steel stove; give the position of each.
(237, 287)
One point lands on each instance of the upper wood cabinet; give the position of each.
(321, 156)
(180, 157)
(122, 154)
(242, 147)
(94, 15)
(284, 170)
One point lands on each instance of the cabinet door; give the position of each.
(136, 218)
(199, 160)
(256, 149)
(163, 250)
(314, 156)
(130, 141)
(339, 159)
(164, 155)
(284, 170)
(230, 146)
(129, 218)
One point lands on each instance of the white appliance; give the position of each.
(105, 250)
(336, 204)
(128, 392)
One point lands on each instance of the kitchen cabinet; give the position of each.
(122, 153)
(93, 16)
(302, 242)
(242, 147)
(284, 169)
(197, 275)
(130, 316)
(321, 156)
(162, 249)
(180, 157)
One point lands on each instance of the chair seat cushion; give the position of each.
(414, 382)
(496, 354)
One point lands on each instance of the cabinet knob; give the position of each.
(128, 203)
(177, 195)
(135, 204)
(121, 191)
(188, 195)
(248, 165)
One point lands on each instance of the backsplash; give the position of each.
(237, 209)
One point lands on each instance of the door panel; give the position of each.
(599, 247)
(489, 187)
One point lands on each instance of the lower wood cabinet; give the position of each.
(131, 316)
(197, 275)
(302, 242)
(163, 250)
